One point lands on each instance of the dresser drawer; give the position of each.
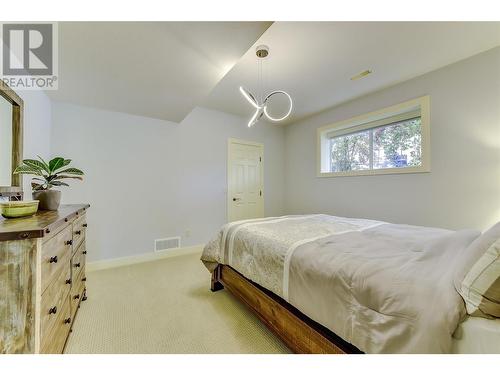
(54, 339)
(56, 254)
(78, 261)
(77, 289)
(53, 300)
(79, 228)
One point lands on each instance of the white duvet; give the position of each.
(384, 288)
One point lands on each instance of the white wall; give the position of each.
(463, 187)
(37, 126)
(148, 178)
(37, 129)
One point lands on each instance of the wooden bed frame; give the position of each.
(299, 333)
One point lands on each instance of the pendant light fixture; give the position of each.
(261, 106)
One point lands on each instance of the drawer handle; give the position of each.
(77, 296)
(53, 310)
(84, 225)
(78, 232)
(69, 242)
(84, 252)
(67, 321)
(68, 281)
(53, 259)
(84, 279)
(77, 265)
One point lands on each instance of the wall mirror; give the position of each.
(11, 142)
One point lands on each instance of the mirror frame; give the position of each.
(17, 136)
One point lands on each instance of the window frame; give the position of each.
(362, 123)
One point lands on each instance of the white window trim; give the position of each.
(359, 122)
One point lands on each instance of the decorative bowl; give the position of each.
(14, 209)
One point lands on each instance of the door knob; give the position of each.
(236, 199)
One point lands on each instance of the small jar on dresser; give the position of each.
(42, 279)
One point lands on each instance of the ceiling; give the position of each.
(313, 61)
(155, 69)
(165, 69)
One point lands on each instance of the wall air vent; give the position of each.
(162, 244)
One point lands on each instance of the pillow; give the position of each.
(478, 275)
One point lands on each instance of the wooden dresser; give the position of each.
(42, 279)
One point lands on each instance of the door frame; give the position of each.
(231, 141)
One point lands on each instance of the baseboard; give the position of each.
(141, 258)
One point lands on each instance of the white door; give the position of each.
(245, 199)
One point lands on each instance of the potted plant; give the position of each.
(48, 175)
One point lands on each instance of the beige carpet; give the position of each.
(165, 306)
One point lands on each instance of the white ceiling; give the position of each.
(165, 69)
(154, 69)
(313, 61)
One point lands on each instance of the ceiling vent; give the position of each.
(361, 75)
(162, 244)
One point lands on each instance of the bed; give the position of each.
(328, 284)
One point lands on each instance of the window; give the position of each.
(392, 140)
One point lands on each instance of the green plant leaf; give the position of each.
(35, 164)
(66, 162)
(55, 164)
(58, 183)
(26, 169)
(60, 177)
(72, 171)
(36, 186)
(44, 162)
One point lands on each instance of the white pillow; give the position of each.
(477, 276)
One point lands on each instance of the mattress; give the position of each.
(382, 287)
(477, 336)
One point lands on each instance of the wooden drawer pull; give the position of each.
(68, 281)
(76, 265)
(67, 321)
(53, 259)
(78, 232)
(76, 296)
(53, 310)
(84, 252)
(84, 279)
(84, 225)
(69, 242)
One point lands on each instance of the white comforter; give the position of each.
(384, 288)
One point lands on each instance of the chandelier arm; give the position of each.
(256, 117)
(248, 96)
(289, 109)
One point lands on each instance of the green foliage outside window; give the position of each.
(391, 146)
